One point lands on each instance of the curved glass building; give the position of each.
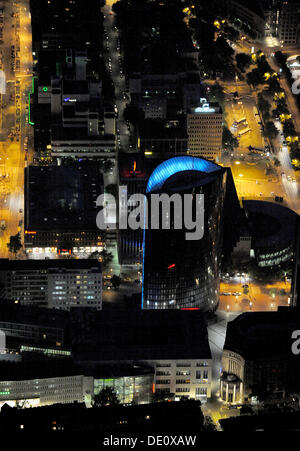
(180, 273)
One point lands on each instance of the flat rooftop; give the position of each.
(259, 335)
(35, 265)
(272, 226)
(120, 335)
(61, 197)
(73, 134)
(34, 316)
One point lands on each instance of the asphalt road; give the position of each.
(14, 125)
(114, 63)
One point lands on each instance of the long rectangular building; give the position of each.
(59, 284)
(172, 342)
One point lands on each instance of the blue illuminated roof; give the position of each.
(178, 164)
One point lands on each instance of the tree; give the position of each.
(276, 162)
(216, 94)
(254, 78)
(209, 425)
(115, 281)
(274, 85)
(270, 130)
(229, 141)
(263, 105)
(289, 128)
(224, 48)
(280, 58)
(243, 61)
(22, 404)
(105, 257)
(106, 397)
(14, 244)
(246, 410)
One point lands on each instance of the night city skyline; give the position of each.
(149, 218)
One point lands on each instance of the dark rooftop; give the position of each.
(271, 225)
(31, 265)
(77, 134)
(61, 197)
(258, 335)
(75, 87)
(37, 316)
(120, 335)
(254, 5)
(135, 166)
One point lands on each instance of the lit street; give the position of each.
(259, 296)
(114, 64)
(17, 65)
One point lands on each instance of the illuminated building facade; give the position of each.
(61, 211)
(205, 129)
(46, 391)
(288, 21)
(134, 385)
(59, 284)
(273, 230)
(180, 273)
(172, 344)
(134, 172)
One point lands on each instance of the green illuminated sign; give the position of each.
(29, 102)
(45, 89)
(4, 392)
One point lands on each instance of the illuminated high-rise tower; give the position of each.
(205, 129)
(177, 272)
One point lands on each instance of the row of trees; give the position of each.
(263, 74)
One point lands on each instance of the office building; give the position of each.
(134, 172)
(162, 139)
(33, 326)
(205, 130)
(67, 107)
(273, 230)
(288, 21)
(61, 211)
(133, 384)
(257, 361)
(169, 280)
(32, 383)
(249, 14)
(61, 24)
(59, 284)
(173, 343)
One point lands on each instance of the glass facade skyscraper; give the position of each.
(180, 273)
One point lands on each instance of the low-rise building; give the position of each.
(40, 383)
(173, 343)
(33, 326)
